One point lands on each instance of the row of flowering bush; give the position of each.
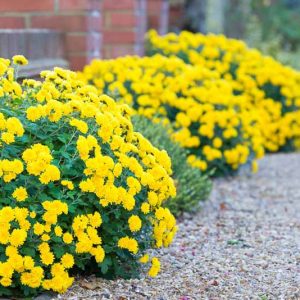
(262, 82)
(225, 103)
(87, 188)
(80, 189)
(199, 106)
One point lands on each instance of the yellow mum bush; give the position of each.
(206, 117)
(77, 185)
(265, 84)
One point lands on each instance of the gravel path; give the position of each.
(243, 244)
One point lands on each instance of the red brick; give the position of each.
(154, 6)
(12, 22)
(26, 5)
(80, 5)
(119, 4)
(123, 19)
(153, 21)
(77, 62)
(82, 42)
(119, 37)
(66, 23)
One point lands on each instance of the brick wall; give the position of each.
(93, 28)
(124, 26)
(80, 20)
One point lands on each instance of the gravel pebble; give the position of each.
(243, 244)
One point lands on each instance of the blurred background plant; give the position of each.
(278, 18)
(274, 28)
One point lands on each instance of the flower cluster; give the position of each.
(80, 189)
(263, 84)
(201, 108)
(10, 128)
(38, 158)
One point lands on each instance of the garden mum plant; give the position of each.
(81, 191)
(265, 84)
(205, 116)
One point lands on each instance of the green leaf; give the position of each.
(29, 251)
(63, 138)
(105, 265)
(54, 191)
(59, 251)
(71, 194)
(43, 197)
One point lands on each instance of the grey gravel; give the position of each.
(243, 244)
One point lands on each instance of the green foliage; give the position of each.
(192, 186)
(274, 30)
(278, 18)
